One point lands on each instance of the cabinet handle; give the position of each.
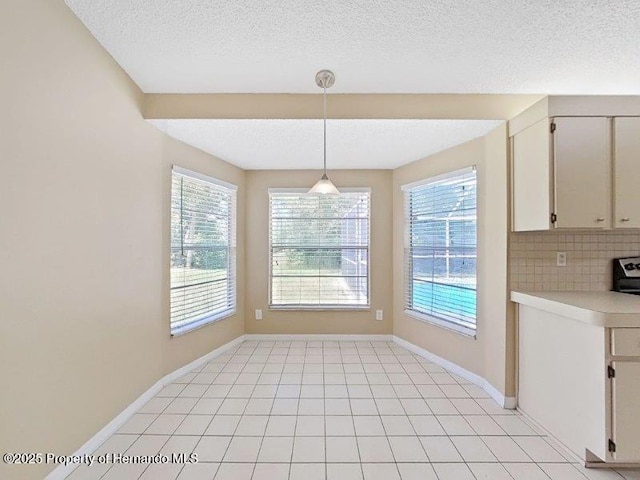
(600, 219)
(626, 219)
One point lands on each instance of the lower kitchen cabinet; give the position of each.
(625, 395)
(579, 371)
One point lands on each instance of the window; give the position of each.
(203, 283)
(441, 249)
(319, 249)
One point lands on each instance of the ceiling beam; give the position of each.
(339, 106)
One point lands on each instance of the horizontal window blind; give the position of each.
(319, 248)
(441, 247)
(203, 284)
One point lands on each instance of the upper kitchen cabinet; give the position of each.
(582, 172)
(626, 168)
(574, 164)
(531, 177)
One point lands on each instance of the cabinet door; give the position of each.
(582, 172)
(626, 405)
(531, 178)
(626, 172)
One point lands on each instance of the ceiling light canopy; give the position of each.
(324, 79)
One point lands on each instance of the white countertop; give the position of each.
(601, 309)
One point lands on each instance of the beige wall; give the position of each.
(257, 249)
(178, 351)
(347, 106)
(84, 246)
(499, 322)
(486, 355)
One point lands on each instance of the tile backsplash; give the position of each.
(533, 267)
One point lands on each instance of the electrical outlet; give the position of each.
(258, 314)
(378, 314)
(561, 259)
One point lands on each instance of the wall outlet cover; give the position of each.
(258, 314)
(561, 259)
(379, 315)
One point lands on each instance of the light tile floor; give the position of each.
(327, 410)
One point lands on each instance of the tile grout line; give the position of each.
(295, 424)
(231, 355)
(445, 430)
(245, 409)
(412, 426)
(384, 428)
(353, 422)
(264, 433)
(462, 416)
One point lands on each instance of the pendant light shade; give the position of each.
(324, 186)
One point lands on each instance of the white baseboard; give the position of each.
(317, 337)
(170, 377)
(505, 402)
(114, 425)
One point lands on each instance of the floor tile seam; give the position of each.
(212, 415)
(393, 455)
(555, 448)
(265, 428)
(510, 438)
(326, 472)
(534, 463)
(446, 432)
(148, 465)
(107, 470)
(232, 436)
(355, 437)
(412, 426)
(295, 426)
(448, 436)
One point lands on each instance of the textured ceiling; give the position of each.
(379, 46)
(297, 144)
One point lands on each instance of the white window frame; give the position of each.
(321, 307)
(214, 316)
(448, 324)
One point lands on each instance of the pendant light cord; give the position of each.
(324, 109)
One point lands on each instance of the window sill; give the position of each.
(438, 322)
(341, 308)
(196, 325)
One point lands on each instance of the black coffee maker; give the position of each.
(626, 275)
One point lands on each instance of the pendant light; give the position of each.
(325, 79)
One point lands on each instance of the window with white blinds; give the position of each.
(203, 280)
(319, 249)
(441, 249)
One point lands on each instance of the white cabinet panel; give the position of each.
(562, 378)
(625, 342)
(627, 172)
(531, 178)
(626, 405)
(582, 165)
